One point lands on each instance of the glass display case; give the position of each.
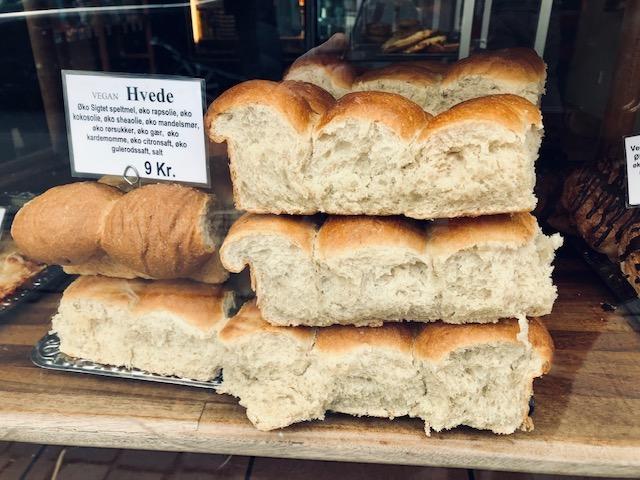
(327, 209)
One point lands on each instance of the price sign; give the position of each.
(3, 211)
(632, 152)
(153, 124)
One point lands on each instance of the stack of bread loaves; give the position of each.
(411, 297)
(149, 264)
(463, 272)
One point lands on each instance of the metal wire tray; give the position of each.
(32, 288)
(47, 354)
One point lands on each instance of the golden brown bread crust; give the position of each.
(211, 271)
(437, 340)
(416, 75)
(158, 230)
(260, 92)
(298, 230)
(101, 264)
(155, 231)
(514, 65)
(340, 72)
(63, 225)
(341, 338)
(347, 233)
(15, 269)
(510, 230)
(249, 321)
(318, 99)
(398, 113)
(511, 111)
(340, 234)
(198, 304)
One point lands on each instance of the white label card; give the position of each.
(151, 123)
(632, 152)
(3, 211)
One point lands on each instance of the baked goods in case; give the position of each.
(629, 255)
(426, 43)
(15, 269)
(366, 270)
(168, 327)
(447, 375)
(159, 231)
(402, 40)
(593, 197)
(376, 153)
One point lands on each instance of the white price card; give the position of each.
(3, 211)
(151, 123)
(632, 152)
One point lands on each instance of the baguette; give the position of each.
(447, 375)
(376, 153)
(363, 270)
(159, 231)
(167, 327)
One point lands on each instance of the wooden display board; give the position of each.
(587, 412)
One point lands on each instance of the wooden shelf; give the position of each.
(587, 411)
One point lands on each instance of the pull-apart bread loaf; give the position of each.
(328, 72)
(518, 71)
(414, 82)
(375, 153)
(160, 231)
(363, 270)
(168, 327)
(447, 375)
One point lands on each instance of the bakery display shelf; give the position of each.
(46, 354)
(610, 273)
(43, 281)
(586, 420)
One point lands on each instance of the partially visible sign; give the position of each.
(632, 153)
(152, 124)
(3, 211)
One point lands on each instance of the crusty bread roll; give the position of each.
(363, 270)
(327, 71)
(447, 375)
(159, 231)
(418, 84)
(376, 153)
(518, 71)
(168, 327)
